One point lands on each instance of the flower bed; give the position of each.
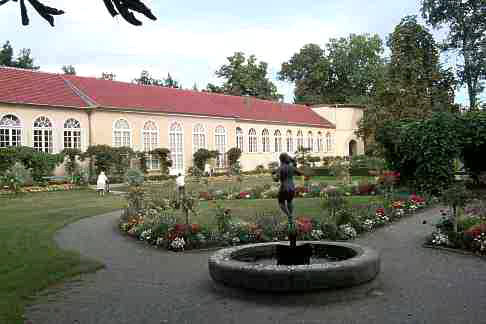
(471, 231)
(54, 187)
(157, 227)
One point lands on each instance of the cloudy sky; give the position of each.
(191, 39)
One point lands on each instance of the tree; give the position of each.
(6, 54)
(108, 76)
(68, 69)
(466, 21)
(414, 84)
(356, 67)
(124, 8)
(309, 70)
(171, 83)
(146, 79)
(23, 60)
(347, 74)
(245, 77)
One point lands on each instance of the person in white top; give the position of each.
(101, 183)
(207, 169)
(180, 184)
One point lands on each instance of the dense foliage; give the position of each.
(202, 156)
(40, 164)
(347, 73)
(245, 77)
(414, 84)
(466, 26)
(23, 60)
(423, 151)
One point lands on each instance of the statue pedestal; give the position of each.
(293, 254)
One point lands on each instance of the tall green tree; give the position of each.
(245, 77)
(68, 69)
(348, 73)
(466, 22)
(23, 60)
(415, 84)
(309, 69)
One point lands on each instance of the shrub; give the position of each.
(202, 156)
(134, 177)
(260, 169)
(71, 165)
(234, 155)
(423, 151)
(15, 177)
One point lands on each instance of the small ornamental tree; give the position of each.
(101, 158)
(71, 165)
(202, 156)
(234, 155)
(163, 155)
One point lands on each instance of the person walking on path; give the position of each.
(101, 183)
(180, 185)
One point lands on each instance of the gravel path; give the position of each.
(144, 285)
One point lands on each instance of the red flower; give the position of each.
(205, 195)
(195, 228)
(476, 230)
(304, 224)
(244, 194)
(380, 211)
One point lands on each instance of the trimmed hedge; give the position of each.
(326, 172)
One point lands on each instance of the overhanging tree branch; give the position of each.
(125, 8)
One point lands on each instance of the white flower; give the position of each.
(369, 224)
(236, 240)
(178, 243)
(348, 231)
(146, 235)
(317, 234)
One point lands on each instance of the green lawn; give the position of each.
(31, 261)
(226, 183)
(250, 209)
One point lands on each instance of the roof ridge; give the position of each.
(78, 92)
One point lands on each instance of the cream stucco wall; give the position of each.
(102, 122)
(346, 120)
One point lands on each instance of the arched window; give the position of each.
(10, 131)
(72, 134)
(320, 142)
(328, 142)
(239, 138)
(198, 138)
(265, 141)
(220, 140)
(43, 135)
(252, 141)
(176, 147)
(278, 141)
(300, 140)
(290, 142)
(122, 134)
(310, 141)
(150, 135)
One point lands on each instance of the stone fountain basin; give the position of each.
(355, 265)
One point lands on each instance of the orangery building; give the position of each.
(50, 112)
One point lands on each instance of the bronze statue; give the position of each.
(286, 172)
(293, 254)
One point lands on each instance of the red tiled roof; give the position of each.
(67, 90)
(31, 87)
